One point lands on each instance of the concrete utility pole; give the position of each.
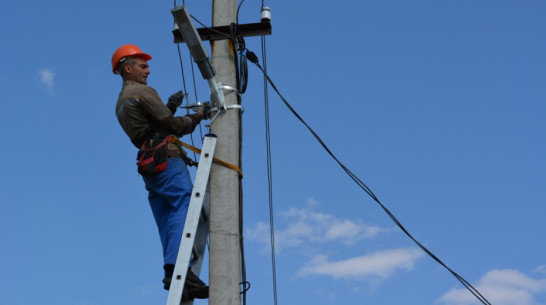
(224, 235)
(225, 256)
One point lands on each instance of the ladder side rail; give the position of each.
(192, 220)
(201, 238)
(201, 235)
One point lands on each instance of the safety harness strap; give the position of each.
(173, 139)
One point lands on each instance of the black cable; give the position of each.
(211, 29)
(196, 100)
(241, 229)
(186, 95)
(242, 67)
(269, 172)
(239, 81)
(238, 8)
(245, 78)
(252, 57)
(246, 288)
(239, 47)
(181, 67)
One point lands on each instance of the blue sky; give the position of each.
(438, 106)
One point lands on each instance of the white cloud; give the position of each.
(314, 231)
(47, 77)
(540, 269)
(312, 202)
(305, 226)
(500, 287)
(377, 266)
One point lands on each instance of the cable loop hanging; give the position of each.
(252, 57)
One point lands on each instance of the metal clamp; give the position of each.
(219, 98)
(226, 107)
(229, 89)
(230, 107)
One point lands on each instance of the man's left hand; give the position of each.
(175, 101)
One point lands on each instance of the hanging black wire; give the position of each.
(242, 67)
(241, 81)
(195, 98)
(252, 57)
(238, 9)
(243, 263)
(242, 78)
(269, 162)
(186, 94)
(269, 172)
(194, 86)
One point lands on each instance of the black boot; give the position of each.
(194, 288)
(169, 270)
(194, 280)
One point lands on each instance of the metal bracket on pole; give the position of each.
(221, 88)
(195, 45)
(195, 234)
(217, 95)
(228, 107)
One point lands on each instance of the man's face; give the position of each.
(139, 71)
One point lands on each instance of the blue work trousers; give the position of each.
(169, 195)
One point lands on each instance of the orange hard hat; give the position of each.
(126, 51)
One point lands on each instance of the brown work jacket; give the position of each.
(141, 113)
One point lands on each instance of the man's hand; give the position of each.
(175, 101)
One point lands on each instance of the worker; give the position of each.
(154, 129)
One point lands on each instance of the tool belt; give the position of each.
(152, 157)
(154, 153)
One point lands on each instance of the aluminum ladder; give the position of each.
(196, 229)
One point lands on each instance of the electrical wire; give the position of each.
(241, 78)
(185, 89)
(238, 9)
(241, 66)
(252, 57)
(269, 162)
(211, 29)
(241, 242)
(269, 172)
(196, 100)
(186, 94)
(243, 263)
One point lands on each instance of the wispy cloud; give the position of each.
(47, 77)
(305, 226)
(311, 202)
(377, 266)
(313, 234)
(500, 287)
(540, 269)
(143, 290)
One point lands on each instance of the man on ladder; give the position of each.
(153, 128)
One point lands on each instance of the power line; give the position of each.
(252, 57)
(269, 173)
